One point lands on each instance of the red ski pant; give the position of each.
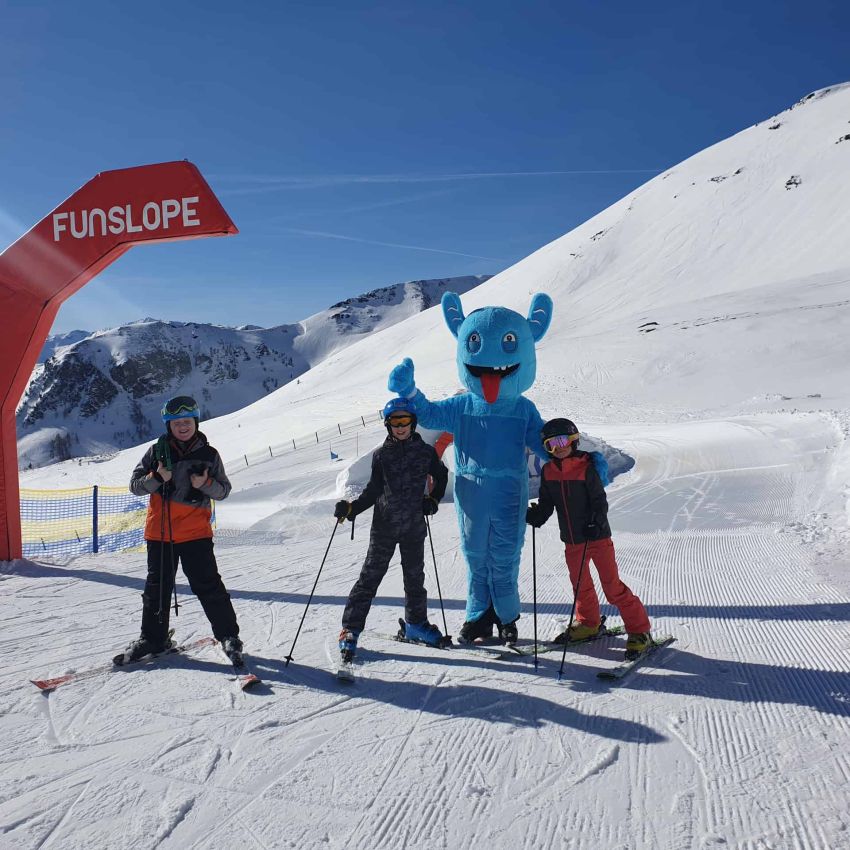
(601, 552)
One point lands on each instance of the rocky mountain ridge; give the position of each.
(103, 392)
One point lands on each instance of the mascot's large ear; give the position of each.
(539, 315)
(452, 311)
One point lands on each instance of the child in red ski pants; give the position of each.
(571, 485)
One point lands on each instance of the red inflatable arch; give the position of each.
(62, 253)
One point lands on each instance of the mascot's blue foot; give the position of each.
(508, 633)
(480, 629)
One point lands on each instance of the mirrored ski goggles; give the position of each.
(400, 421)
(177, 406)
(560, 441)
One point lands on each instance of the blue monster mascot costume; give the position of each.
(492, 424)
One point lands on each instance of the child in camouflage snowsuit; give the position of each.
(400, 468)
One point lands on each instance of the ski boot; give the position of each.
(425, 632)
(141, 648)
(508, 633)
(232, 647)
(636, 644)
(576, 632)
(348, 645)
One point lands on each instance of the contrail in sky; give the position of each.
(268, 183)
(326, 235)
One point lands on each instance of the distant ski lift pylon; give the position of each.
(114, 211)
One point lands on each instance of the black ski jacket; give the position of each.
(396, 488)
(573, 488)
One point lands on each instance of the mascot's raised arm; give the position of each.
(492, 424)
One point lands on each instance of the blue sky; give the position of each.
(356, 145)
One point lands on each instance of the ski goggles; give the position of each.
(400, 421)
(561, 441)
(179, 407)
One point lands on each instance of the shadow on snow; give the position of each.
(685, 673)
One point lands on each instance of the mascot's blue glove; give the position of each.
(401, 379)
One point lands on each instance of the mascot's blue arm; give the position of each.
(533, 437)
(439, 415)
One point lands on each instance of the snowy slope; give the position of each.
(744, 278)
(732, 527)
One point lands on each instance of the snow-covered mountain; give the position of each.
(103, 392)
(55, 341)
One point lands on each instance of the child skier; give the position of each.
(571, 485)
(181, 472)
(396, 488)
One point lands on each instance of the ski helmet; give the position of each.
(560, 428)
(400, 406)
(180, 407)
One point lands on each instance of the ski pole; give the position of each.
(572, 610)
(337, 524)
(159, 613)
(173, 559)
(534, 587)
(437, 577)
(161, 577)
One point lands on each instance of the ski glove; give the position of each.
(591, 530)
(342, 510)
(532, 517)
(429, 506)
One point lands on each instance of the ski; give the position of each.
(551, 646)
(626, 667)
(446, 642)
(245, 678)
(345, 672)
(496, 649)
(48, 685)
(477, 650)
(503, 652)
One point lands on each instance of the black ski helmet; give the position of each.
(558, 428)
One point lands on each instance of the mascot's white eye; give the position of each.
(509, 342)
(473, 344)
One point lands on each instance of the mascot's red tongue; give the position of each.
(490, 386)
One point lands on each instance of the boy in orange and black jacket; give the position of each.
(571, 485)
(181, 473)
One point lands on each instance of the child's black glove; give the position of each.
(429, 506)
(342, 510)
(591, 530)
(533, 518)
